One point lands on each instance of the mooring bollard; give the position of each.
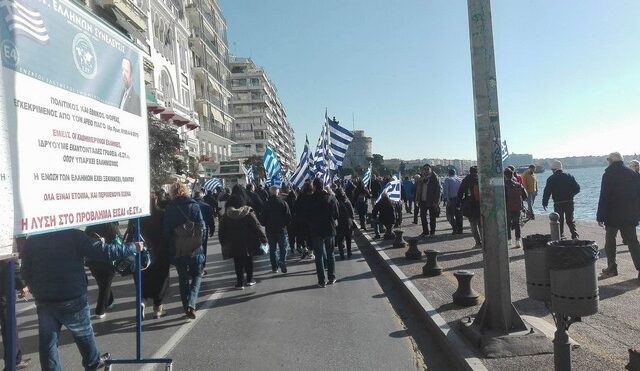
(465, 296)
(432, 269)
(413, 253)
(634, 360)
(555, 226)
(399, 241)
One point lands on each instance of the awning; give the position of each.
(217, 115)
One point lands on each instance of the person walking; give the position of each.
(295, 243)
(240, 237)
(383, 214)
(23, 291)
(530, 183)
(209, 225)
(181, 210)
(407, 188)
(155, 279)
(302, 225)
(53, 269)
(469, 203)
(619, 210)
(360, 197)
(344, 232)
(450, 189)
(103, 271)
(375, 187)
(416, 205)
(321, 214)
(514, 195)
(562, 188)
(277, 217)
(427, 195)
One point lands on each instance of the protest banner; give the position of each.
(75, 114)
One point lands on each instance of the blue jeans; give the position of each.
(280, 240)
(74, 315)
(189, 278)
(323, 248)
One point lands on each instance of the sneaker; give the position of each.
(376, 237)
(609, 272)
(204, 273)
(518, 244)
(331, 281)
(311, 256)
(274, 271)
(477, 246)
(239, 286)
(322, 285)
(23, 363)
(251, 283)
(283, 267)
(103, 360)
(142, 308)
(157, 311)
(100, 316)
(191, 313)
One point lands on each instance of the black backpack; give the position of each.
(188, 236)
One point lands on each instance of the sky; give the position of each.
(568, 72)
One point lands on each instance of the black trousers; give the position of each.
(432, 218)
(103, 273)
(565, 210)
(291, 234)
(3, 327)
(416, 211)
(243, 264)
(344, 237)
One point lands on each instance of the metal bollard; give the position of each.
(413, 253)
(634, 360)
(399, 241)
(432, 269)
(465, 296)
(555, 226)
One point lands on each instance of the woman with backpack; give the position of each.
(240, 236)
(344, 232)
(183, 228)
(360, 197)
(103, 272)
(514, 194)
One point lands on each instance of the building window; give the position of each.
(256, 95)
(238, 82)
(166, 85)
(255, 82)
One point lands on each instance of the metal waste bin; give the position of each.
(535, 263)
(572, 273)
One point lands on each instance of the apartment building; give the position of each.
(260, 117)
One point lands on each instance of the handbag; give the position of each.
(264, 248)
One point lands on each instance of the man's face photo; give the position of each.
(126, 73)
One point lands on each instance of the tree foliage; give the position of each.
(164, 146)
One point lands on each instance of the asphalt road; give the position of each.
(283, 323)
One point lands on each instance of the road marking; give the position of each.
(175, 339)
(25, 309)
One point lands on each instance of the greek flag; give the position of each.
(320, 155)
(250, 177)
(392, 189)
(339, 140)
(366, 179)
(303, 172)
(271, 166)
(212, 184)
(505, 151)
(25, 21)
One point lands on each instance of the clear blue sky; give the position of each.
(568, 71)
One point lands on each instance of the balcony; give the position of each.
(128, 10)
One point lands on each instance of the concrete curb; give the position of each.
(451, 342)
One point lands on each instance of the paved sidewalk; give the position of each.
(284, 322)
(604, 338)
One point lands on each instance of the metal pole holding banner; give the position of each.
(10, 323)
(139, 360)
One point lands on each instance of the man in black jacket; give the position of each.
(209, 224)
(469, 202)
(619, 210)
(427, 196)
(277, 216)
(321, 216)
(562, 187)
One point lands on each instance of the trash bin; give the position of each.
(535, 263)
(572, 273)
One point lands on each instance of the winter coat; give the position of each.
(619, 204)
(345, 216)
(207, 215)
(321, 213)
(514, 194)
(376, 188)
(561, 187)
(466, 200)
(408, 188)
(530, 182)
(173, 217)
(450, 187)
(240, 234)
(434, 190)
(383, 210)
(276, 215)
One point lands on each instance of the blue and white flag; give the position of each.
(366, 178)
(320, 155)
(271, 166)
(250, 177)
(505, 151)
(392, 189)
(339, 140)
(212, 184)
(303, 172)
(25, 21)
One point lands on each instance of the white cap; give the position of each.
(556, 165)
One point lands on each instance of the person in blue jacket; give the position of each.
(407, 188)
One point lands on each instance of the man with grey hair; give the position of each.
(562, 187)
(277, 217)
(634, 165)
(619, 210)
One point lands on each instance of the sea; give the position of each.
(586, 202)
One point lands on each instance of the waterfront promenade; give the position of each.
(603, 338)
